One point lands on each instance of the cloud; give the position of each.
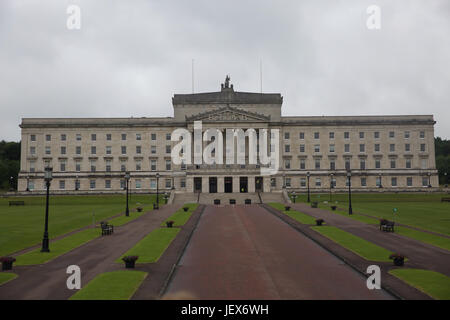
(130, 57)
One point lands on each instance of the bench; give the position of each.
(387, 226)
(16, 203)
(107, 229)
(445, 199)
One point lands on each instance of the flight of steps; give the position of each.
(208, 198)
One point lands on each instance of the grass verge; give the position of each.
(361, 247)
(429, 238)
(58, 248)
(298, 216)
(180, 217)
(152, 246)
(117, 285)
(6, 277)
(434, 284)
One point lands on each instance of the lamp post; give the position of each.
(28, 183)
(76, 183)
(349, 176)
(429, 179)
(308, 175)
(331, 185)
(157, 191)
(127, 179)
(445, 180)
(284, 181)
(11, 183)
(48, 178)
(294, 195)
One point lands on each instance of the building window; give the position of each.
(48, 137)
(392, 147)
(318, 182)
(77, 184)
(287, 148)
(394, 182)
(287, 164)
(124, 149)
(138, 165)
(78, 137)
(93, 166)
(302, 136)
(78, 150)
(407, 134)
(302, 164)
(377, 164)
(108, 137)
(47, 150)
(391, 134)
(62, 166)
(153, 165)
(378, 182)
(362, 164)
(302, 182)
(317, 164)
(168, 149)
(94, 137)
(138, 149)
(153, 149)
(393, 164)
(422, 147)
(316, 135)
(422, 135)
(122, 184)
(407, 147)
(138, 184)
(361, 135)
(302, 148)
(408, 164)
(168, 136)
(108, 165)
(32, 166)
(273, 182)
(63, 137)
(124, 136)
(153, 135)
(168, 165)
(332, 165)
(152, 183)
(346, 135)
(107, 184)
(376, 135)
(331, 135)
(33, 137)
(424, 181)
(63, 150)
(317, 148)
(138, 136)
(377, 147)
(31, 185)
(409, 181)
(286, 135)
(62, 184)
(347, 164)
(424, 163)
(93, 150)
(183, 165)
(77, 166)
(331, 148)
(183, 183)
(92, 184)
(363, 182)
(168, 183)
(362, 148)
(123, 166)
(346, 147)
(288, 182)
(108, 149)
(32, 150)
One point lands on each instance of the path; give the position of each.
(245, 252)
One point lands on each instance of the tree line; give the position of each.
(10, 162)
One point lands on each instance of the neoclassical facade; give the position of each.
(92, 154)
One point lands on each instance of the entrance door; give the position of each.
(258, 183)
(228, 184)
(213, 185)
(198, 184)
(243, 184)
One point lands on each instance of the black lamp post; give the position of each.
(157, 191)
(11, 183)
(77, 183)
(349, 176)
(127, 179)
(28, 183)
(308, 175)
(429, 179)
(294, 195)
(331, 185)
(284, 181)
(48, 178)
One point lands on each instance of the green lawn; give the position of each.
(424, 210)
(23, 226)
(432, 239)
(6, 276)
(299, 216)
(361, 247)
(123, 219)
(180, 217)
(152, 246)
(117, 285)
(58, 247)
(434, 284)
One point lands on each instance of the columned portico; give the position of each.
(221, 184)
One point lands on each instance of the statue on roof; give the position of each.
(227, 81)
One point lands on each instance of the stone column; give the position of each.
(205, 184)
(190, 184)
(251, 184)
(236, 184)
(220, 184)
(266, 184)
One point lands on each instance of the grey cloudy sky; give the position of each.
(130, 57)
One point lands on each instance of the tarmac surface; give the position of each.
(245, 252)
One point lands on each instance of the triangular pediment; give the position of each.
(229, 114)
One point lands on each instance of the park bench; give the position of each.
(16, 203)
(445, 199)
(107, 229)
(387, 226)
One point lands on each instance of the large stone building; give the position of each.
(93, 154)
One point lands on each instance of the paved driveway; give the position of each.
(244, 252)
